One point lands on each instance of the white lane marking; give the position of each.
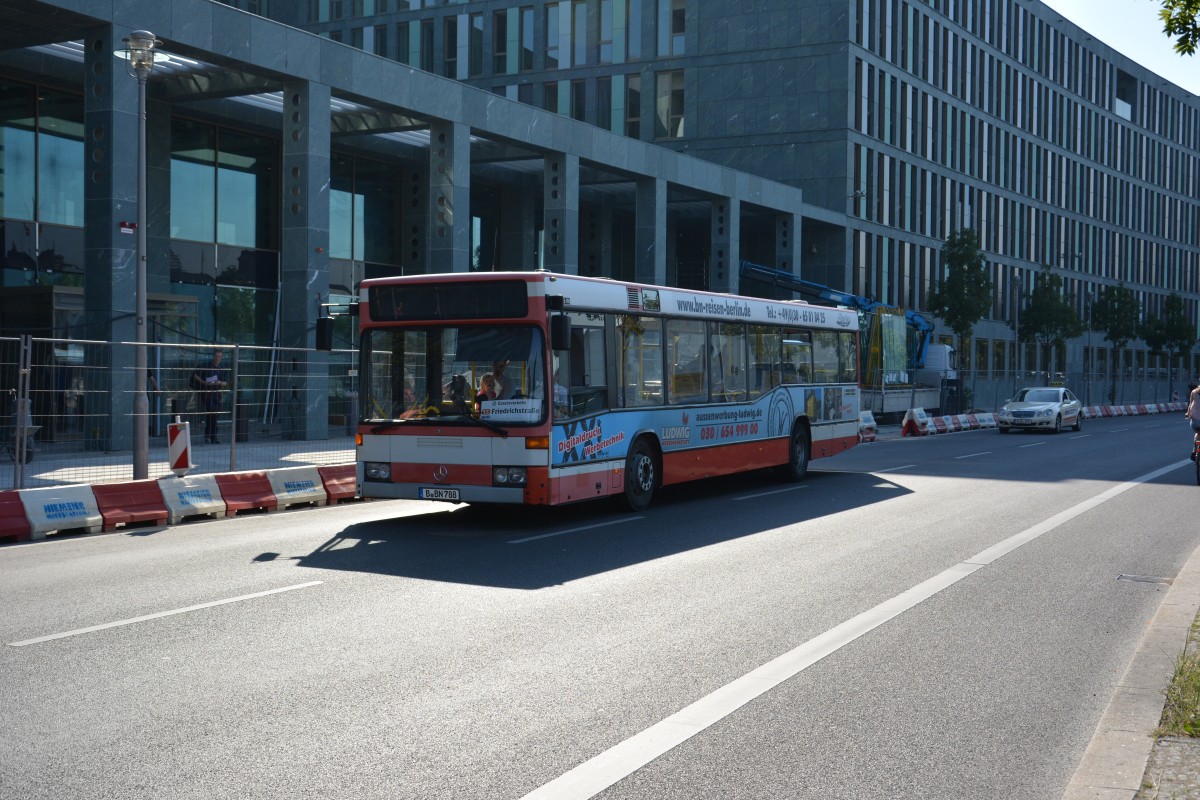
(773, 491)
(161, 614)
(597, 774)
(575, 530)
(973, 455)
(1080, 436)
(1035, 444)
(892, 469)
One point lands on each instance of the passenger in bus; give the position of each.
(487, 388)
(505, 387)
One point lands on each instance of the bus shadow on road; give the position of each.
(535, 548)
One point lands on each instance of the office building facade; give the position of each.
(904, 119)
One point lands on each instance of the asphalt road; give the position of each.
(942, 617)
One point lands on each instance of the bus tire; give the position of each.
(799, 453)
(641, 476)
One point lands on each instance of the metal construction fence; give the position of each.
(276, 407)
(270, 407)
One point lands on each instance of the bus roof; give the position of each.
(584, 293)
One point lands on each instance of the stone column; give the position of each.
(596, 235)
(724, 255)
(110, 237)
(561, 203)
(304, 271)
(787, 243)
(518, 230)
(650, 234)
(449, 197)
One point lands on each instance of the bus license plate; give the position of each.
(438, 494)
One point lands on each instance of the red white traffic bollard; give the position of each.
(179, 447)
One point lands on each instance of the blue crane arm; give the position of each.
(921, 326)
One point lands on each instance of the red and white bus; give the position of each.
(541, 389)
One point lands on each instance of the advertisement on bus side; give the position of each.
(607, 435)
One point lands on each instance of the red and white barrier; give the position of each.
(13, 522)
(179, 447)
(192, 495)
(61, 508)
(915, 423)
(246, 491)
(129, 503)
(867, 430)
(297, 486)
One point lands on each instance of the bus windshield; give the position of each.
(491, 372)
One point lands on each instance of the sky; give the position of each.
(1132, 27)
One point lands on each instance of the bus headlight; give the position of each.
(508, 476)
(377, 470)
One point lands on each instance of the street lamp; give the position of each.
(1016, 301)
(1087, 399)
(140, 57)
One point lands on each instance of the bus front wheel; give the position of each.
(799, 452)
(641, 476)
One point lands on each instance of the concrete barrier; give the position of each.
(341, 482)
(190, 496)
(867, 429)
(61, 508)
(915, 423)
(297, 486)
(246, 491)
(13, 522)
(130, 503)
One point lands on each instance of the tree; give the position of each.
(1050, 316)
(964, 294)
(1115, 313)
(1179, 20)
(1171, 332)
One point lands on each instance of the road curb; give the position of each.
(1114, 764)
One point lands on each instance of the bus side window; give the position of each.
(588, 389)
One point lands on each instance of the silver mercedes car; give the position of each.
(1041, 408)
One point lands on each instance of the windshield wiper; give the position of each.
(485, 423)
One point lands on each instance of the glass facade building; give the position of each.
(912, 118)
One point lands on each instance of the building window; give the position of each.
(356, 38)
(579, 33)
(475, 46)
(550, 96)
(633, 106)
(525, 93)
(552, 36)
(381, 42)
(606, 31)
(450, 47)
(671, 21)
(499, 42)
(335, 36)
(633, 29)
(604, 98)
(668, 103)
(403, 52)
(578, 100)
(526, 33)
(427, 45)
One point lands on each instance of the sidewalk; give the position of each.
(50, 468)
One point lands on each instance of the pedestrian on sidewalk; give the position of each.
(210, 380)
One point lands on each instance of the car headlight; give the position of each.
(1046, 412)
(377, 470)
(1004, 410)
(508, 476)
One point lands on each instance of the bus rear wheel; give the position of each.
(799, 452)
(641, 476)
